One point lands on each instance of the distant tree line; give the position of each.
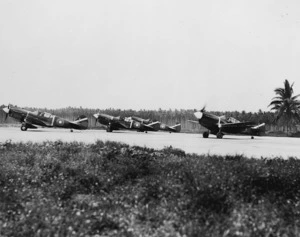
(285, 118)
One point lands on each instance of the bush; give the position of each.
(112, 189)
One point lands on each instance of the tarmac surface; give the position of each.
(268, 147)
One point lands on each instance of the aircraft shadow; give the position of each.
(231, 138)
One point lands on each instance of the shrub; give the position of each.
(112, 189)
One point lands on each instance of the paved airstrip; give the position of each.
(270, 147)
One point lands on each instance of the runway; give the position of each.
(269, 147)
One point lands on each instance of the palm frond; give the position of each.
(295, 97)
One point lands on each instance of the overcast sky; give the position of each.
(135, 54)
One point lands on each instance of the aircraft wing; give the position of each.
(120, 125)
(29, 125)
(238, 125)
(30, 120)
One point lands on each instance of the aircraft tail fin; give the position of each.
(82, 121)
(154, 125)
(259, 129)
(177, 127)
(262, 125)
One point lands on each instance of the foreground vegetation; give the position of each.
(112, 189)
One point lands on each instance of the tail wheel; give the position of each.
(205, 135)
(23, 127)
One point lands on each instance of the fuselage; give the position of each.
(42, 119)
(116, 123)
(217, 124)
(210, 121)
(106, 119)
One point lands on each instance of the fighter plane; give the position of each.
(162, 127)
(219, 125)
(33, 119)
(118, 123)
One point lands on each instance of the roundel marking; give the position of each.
(60, 122)
(137, 124)
(162, 126)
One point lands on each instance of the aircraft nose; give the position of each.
(198, 114)
(6, 110)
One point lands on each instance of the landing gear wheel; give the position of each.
(71, 130)
(219, 135)
(252, 137)
(146, 132)
(23, 128)
(205, 135)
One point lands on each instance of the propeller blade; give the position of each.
(96, 116)
(6, 110)
(203, 109)
(219, 123)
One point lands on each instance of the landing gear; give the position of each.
(109, 129)
(252, 137)
(23, 127)
(205, 134)
(71, 130)
(219, 135)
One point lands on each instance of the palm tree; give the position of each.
(286, 105)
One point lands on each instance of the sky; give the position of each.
(137, 54)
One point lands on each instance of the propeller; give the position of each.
(203, 109)
(219, 122)
(96, 116)
(6, 110)
(199, 114)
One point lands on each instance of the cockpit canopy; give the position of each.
(46, 115)
(43, 114)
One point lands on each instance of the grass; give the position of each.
(112, 189)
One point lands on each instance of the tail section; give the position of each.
(177, 127)
(82, 122)
(260, 126)
(155, 125)
(259, 129)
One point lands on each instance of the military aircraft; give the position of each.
(118, 123)
(162, 127)
(219, 125)
(33, 119)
